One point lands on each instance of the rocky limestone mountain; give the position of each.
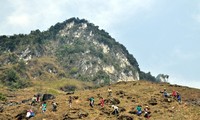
(74, 48)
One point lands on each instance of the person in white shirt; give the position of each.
(116, 110)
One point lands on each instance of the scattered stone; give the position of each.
(75, 114)
(121, 109)
(133, 100)
(120, 92)
(75, 97)
(112, 101)
(12, 103)
(125, 117)
(25, 101)
(1, 109)
(169, 100)
(98, 95)
(165, 106)
(157, 94)
(121, 96)
(171, 111)
(82, 114)
(7, 117)
(153, 101)
(10, 95)
(87, 88)
(121, 82)
(193, 102)
(134, 83)
(48, 97)
(156, 111)
(106, 111)
(68, 88)
(129, 97)
(70, 93)
(132, 112)
(21, 116)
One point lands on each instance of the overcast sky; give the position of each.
(163, 35)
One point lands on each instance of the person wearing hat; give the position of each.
(165, 93)
(147, 112)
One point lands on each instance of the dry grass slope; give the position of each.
(129, 94)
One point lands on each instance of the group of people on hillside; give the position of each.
(138, 111)
(146, 110)
(36, 99)
(91, 99)
(175, 94)
(101, 103)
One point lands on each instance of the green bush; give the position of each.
(11, 76)
(2, 97)
(147, 76)
(21, 66)
(13, 80)
(21, 83)
(102, 75)
(74, 70)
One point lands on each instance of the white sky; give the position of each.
(163, 35)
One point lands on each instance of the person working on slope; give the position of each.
(109, 92)
(179, 97)
(33, 100)
(116, 110)
(30, 113)
(102, 102)
(44, 107)
(165, 93)
(174, 94)
(70, 101)
(139, 110)
(147, 112)
(91, 101)
(54, 106)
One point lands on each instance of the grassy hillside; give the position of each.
(129, 94)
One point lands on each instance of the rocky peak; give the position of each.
(74, 48)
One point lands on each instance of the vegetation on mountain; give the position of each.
(147, 76)
(74, 48)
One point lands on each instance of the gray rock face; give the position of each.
(162, 78)
(80, 50)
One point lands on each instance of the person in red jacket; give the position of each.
(102, 102)
(174, 93)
